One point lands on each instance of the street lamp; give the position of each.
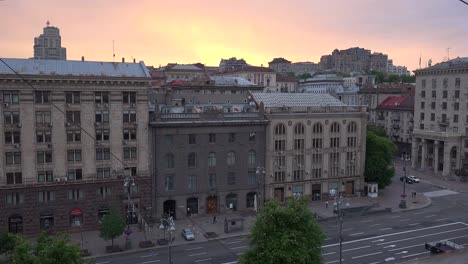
(260, 171)
(337, 207)
(405, 158)
(168, 223)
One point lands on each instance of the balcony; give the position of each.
(396, 126)
(443, 121)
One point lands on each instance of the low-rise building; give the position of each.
(261, 76)
(280, 65)
(231, 64)
(286, 84)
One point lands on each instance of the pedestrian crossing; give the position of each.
(439, 193)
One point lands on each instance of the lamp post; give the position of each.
(260, 171)
(405, 158)
(168, 223)
(337, 207)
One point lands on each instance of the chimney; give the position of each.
(123, 60)
(82, 58)
(134, 60)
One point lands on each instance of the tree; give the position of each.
(408, 79)
(112, 226)
(393, 78)
(285, 235)
(379, 131)
(379, 156)
(304, 76)
(7, 243)
(379, 76)
(47, 250)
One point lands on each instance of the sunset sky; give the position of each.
(182, 31)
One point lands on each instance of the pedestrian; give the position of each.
(214, 219)
(326, 205)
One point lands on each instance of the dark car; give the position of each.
(408, 180)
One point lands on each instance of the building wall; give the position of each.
(398, 125)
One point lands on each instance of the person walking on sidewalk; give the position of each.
(214, 219)
(326, 205)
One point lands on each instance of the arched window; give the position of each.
(170, 160)
(192, 160)
(212, 159)
(335, 128)
(252, 157)
(192, 203)
(280, 129)
(352, 127)
(231, 158)
(299, 129)
(231, 201)
(317, 128)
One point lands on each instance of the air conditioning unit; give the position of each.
(17, 145)
(65, 179)
(98, 105)
(68, 105)
(6, 104)
(124, 142)
(67, 124)
(49, 145)
(51, 124)
(57, 179)
(132, 105)
(18, 125)
(106, 105)
(97, 124)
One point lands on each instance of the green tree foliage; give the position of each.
(7, 243)
(379, 157)
(112, 226)
(46, 250)
(379, 76)
(408, 79)
(285, 235)
(379, 131)
(304, 76)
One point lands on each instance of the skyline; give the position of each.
(160, 32)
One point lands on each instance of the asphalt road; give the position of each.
(367, 239)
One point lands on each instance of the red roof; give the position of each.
(398, 103)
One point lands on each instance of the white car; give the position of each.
(414, 179)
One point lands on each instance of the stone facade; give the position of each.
(49, 45)
(354, 60)
(440, 133)
(76, 134)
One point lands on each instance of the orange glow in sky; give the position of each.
(160, 32)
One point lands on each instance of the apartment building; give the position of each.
(440, 141)
(71, 131)
(48, 45)
(315, 146)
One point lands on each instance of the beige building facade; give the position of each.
(315, 146)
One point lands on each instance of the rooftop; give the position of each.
(250, 69)
(285, 78)
(279, 60)
(231, 81)
(451, 64)
(74, 68)
(398, 103)
(295, 99)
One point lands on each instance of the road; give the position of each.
(367, 239)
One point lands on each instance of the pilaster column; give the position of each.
(436, 156)
(458, 165)
(414, 153)
(446, 170)
(423, 154)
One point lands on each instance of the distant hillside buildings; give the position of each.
(354, 60)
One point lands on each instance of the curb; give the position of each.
(443, 187)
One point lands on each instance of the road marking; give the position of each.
(393, 234)
(375, 224)
(404, 220)
(387, 228)
(234, 242)
(441, 219)
(366, 255)
(367, 221)
(420, 213)
(147, 256)
(347, 229)
(357, 234)
(151, 261)
(378, 240)
(197, 254)
(430, 216)
(334, 261)
(233, 262)
(403, 252)
(412, 255)
(375, 262)
(390, 246)
(328, 238)
(405, 239)
(239, 247)
(439, 193)
(413, 224)
(190, 249)
(396, 216)
(200, 260)
(238, 254)
(351, 249)
(396, 249)
(328, 253)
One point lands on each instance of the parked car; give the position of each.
(188, 234)
(408, 180)
(414, 179)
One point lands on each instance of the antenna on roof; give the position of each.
(113, 52)
(448, 54)
(47, 23)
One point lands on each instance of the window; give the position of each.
(76, 217)
(102, 135)
(43, 118)
(457, 93)
(231, 180)
(168, 139)
(434, 83)
(252, 137)
(192, 160)
(421, 126)
(130, 153)
(192, 139)
(422, 105)
(352, 142)
(232, 137)
(212, 159)
(280, 129)
(14, 178)
(299, 144)
(280, 176)
(72, 97)
(212, 180)
(102, 173)
(280, 145)
(251, 158)
(334, 142)
(212, 138)
(335, 128)
(75, 194)
(74, 175)
(129, 97)
(11, 118)
(432, 117)
(101, 97)
(11, 97)
(41, 97)
(423, 83)
(250, 200)
(422, 116)
(456, 106)
(299, 129)
(423, 94)
(169, 182)
(101, 214)
(12, 137)
(444, 94)
(455, 118)
(46, 196)
(252, 177)
(46, 221)
(444, 105)
(103, 192)
(192, 183)
(14, 198)
(129, 116)
(74, 155)
(102, 117)
(129, 134)
(13, 158)
(445, 83)
(45, 176)
(73, 135)
(103, 154)
(231, 158)
(457, 82)
(433, 105)
(352, 127)
(43, 136)
(434, 95)
(73, 117)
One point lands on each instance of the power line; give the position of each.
(129, 179)
(466, 3)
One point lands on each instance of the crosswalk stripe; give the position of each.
(439, 193)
